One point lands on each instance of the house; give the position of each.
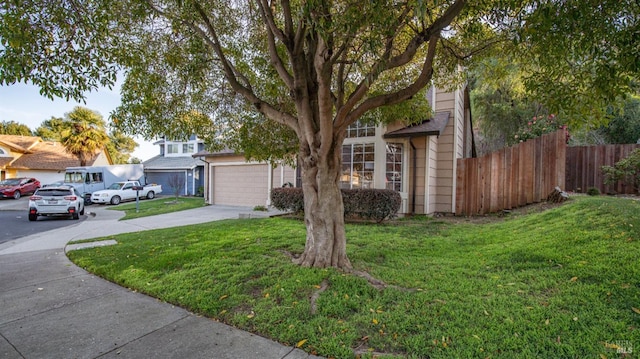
(30, 156)
(176, 166)
(418, 161)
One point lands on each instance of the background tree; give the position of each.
(120, 147)
(84, 134)
(309, 69)
(176, 182)
(52, 129)
(14, 128)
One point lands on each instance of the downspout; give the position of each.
(415, 176)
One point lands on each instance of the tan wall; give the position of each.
(421, 154)
(432, 163)
(102, 160)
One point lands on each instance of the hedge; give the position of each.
(376, 204)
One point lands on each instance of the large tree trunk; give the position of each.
(323, 211)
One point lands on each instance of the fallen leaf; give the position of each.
(546, 322)
(223, 297)
(301, 343)
(611, 346)
(266, 295)
(635, 310)
(573, 279)
(251, 315)
(346, 296)
(602, 356)
(375, 321)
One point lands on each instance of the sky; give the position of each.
(23, 103)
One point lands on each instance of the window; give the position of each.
(358, 161)
(172, 148)
(359, 129)
(187, 148)
(2, 153)
(95, 177)
(394, 167)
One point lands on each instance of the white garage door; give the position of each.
(242, 185)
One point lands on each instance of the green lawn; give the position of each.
(564, 283)
(158, 206)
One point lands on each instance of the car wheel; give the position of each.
(82, 211)
(75, 215)
(33, 217)
(150, 195)
(16, 195)
(115, 200)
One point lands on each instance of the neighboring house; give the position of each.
(175, 161)
(30, 156)
(418, 161)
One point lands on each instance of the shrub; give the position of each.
(626, 170)
(260, 208)
(538, 126)
(376, 204)
(593, 191)
(288, 199)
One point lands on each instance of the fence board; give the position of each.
(511, 177)
(584, 167)
(528, 172)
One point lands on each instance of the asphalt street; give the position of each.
(15, 224)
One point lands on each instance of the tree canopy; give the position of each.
(81, 120)
(304, 70)
(14, 128)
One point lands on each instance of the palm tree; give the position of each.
(84, 134)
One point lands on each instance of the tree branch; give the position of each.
(272, 33)
(401, 95)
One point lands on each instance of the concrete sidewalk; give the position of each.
(53, 309)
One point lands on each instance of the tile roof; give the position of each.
(167, 163)
(433, 126)
(49, 156)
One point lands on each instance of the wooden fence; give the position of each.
(584, 163)
(512, 177)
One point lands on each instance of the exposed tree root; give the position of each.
(375, 282)
(314, 297)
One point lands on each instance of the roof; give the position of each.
(431, 127)
(19, 143)
(49, 156)
(5, 161)
(225, 152)
(171, 163)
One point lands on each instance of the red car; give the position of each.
(16, 187)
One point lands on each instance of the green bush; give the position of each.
(376, 204)
(288, 199)
(593, 191)
(626, 170)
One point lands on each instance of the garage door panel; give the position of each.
(244, 185)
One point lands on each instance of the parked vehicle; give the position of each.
(56, 201)
(88, 179)
(125, 191)
(16, 187)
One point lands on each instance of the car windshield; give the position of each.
(53, 192)
(116, 186)
(11, 182)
